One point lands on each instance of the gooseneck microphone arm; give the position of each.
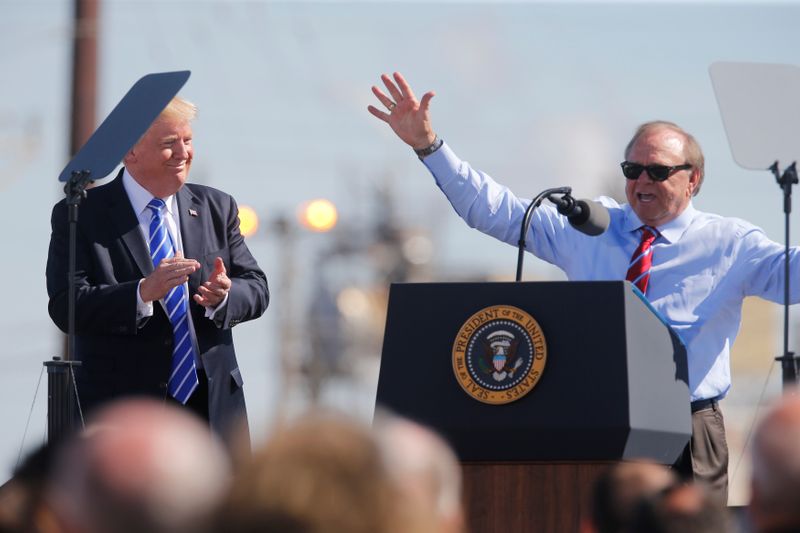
(526, 222)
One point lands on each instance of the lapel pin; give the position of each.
(192, 212)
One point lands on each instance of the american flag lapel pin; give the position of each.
(192, 212)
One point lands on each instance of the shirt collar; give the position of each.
(671, 231)
(140, 197)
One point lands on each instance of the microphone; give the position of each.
(586, 216)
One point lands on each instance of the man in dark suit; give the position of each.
(127, 343)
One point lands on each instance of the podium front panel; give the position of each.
(580, 409)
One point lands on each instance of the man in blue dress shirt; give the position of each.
(703, 265)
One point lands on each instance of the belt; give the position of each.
(699, 405)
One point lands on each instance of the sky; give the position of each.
(536, 94)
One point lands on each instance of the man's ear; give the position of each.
(694, 181)
(130, 157)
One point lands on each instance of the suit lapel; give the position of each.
(127, 225)
(192, 223)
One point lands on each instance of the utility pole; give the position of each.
(84, 73)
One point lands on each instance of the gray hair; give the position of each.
(691, 148)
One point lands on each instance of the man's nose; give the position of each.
(181, 150)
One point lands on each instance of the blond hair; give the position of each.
(179, 108)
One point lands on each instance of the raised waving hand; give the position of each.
(408, 117)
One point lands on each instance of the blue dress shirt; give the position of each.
(704, 265)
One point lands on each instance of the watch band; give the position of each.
(428, 150)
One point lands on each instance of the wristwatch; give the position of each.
(428, 150)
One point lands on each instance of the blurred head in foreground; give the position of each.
(685, 508)
(426, 472)
(141, 465)
(775, 501)
(619, 491)
(320, 474)
(21, 498)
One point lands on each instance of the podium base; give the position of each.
(521, 497)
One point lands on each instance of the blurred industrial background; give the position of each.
(537, 94)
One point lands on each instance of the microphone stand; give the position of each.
(789, 362)
(526, 222)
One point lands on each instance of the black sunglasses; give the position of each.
(632, 171)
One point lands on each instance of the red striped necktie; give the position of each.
(642, 259)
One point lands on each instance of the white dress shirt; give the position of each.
(139, 198)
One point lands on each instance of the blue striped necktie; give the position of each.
(183, 375)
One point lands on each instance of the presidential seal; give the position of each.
(499, 354)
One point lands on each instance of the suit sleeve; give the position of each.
(100, 308)
(249, 294)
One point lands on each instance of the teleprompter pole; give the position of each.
(789, 361)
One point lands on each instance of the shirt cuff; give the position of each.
(143, 309)
(443, 164)
(211, 312)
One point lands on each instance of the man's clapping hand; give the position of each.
(169, 273)
(213, 291)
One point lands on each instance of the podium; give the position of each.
(613, 386)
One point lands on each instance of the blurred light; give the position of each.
(418, 250)
(352, 302)
(248, 220)
(318, 215)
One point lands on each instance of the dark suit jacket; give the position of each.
(120, 358)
